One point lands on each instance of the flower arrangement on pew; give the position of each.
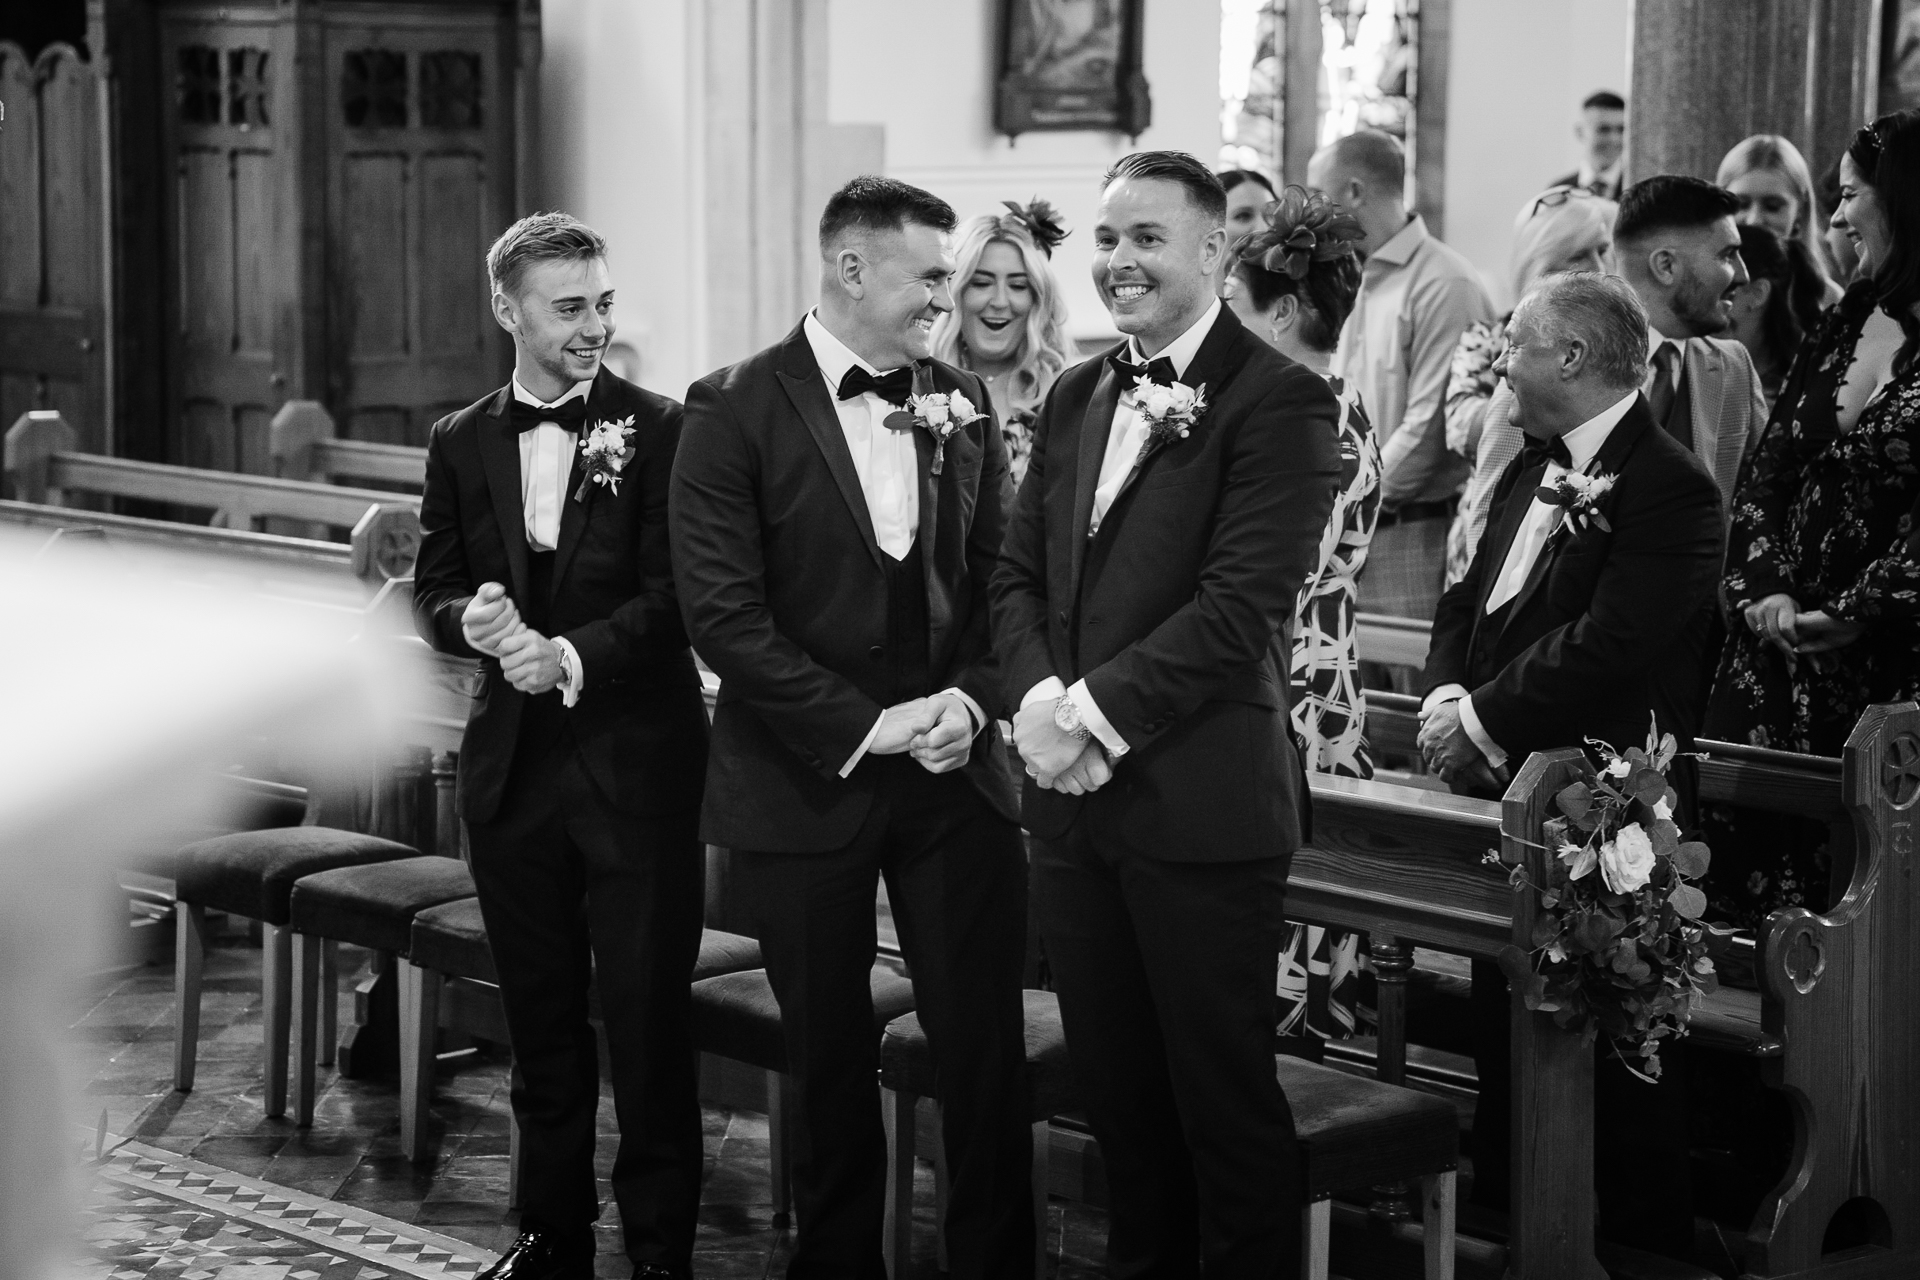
(1620, 947)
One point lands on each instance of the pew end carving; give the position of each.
(386, 542)
(294, 437)
(31, 442)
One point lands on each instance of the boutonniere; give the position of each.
(940, 414)
(1578, 499)
(1170, 410)
(605, 451)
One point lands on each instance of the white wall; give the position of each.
(925, 70)
(1519, 71)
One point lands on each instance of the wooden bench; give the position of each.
(302, 442)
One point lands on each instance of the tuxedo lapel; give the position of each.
(1707, 382)
(1208, 371)
(573, 515)
(1095, 426)
(500, 460)
(800, 379)
(939, 605)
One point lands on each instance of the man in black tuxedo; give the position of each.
(1558, 634)
(584, 758)
(833, 557)
(1147, 582)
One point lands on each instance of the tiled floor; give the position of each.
(122, 1048)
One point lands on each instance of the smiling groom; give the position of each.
(584, 756)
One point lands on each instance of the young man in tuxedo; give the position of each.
(1148, 579)
(583, 761)
(1559, 633)
(833, 555)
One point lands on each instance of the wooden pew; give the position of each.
(1393, 642)
(302, 441)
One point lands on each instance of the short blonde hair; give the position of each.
(1043, 347)
(539, 237)
(1771, 153)
(1549, 229)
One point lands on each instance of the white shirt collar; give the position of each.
(1657, 339)
(1588, 175)
(1585, 440)
(1181, 351)
(832, 355)
(525, 396)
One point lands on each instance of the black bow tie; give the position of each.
(1537, 453)
(1158, 371)
(570, 416)
(893, 386)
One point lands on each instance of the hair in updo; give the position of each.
(1887, 155)
(539, 237)
(1309, 250)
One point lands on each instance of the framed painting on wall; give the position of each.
(1071, 64)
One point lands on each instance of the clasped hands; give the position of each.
(492, 624)
(1777, 619)
(1055, 758)
(936, 731)
(1452, 753)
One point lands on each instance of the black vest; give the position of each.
(908, 664)
(543, 720)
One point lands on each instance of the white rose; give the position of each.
(1154, 400)
(1182, 397)
(962, 407)
(1627, 860)
(934, 409)
(1661, 809)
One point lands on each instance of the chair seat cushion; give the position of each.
(252, 873)
(373, 906)
(722, 952)
(735, 1015)
(906, 1061)
(1358, 1132)
(451, 939)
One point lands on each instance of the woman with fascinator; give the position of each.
(1295, 284)
(1009, 322)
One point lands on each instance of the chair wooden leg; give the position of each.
(1042, 1179)
(1437, 1192)
(780, 1120)
(305, 1021)
(329, 1001)
(896, 1232)
(189, 960)
(1316, 1239)
(276, 992)
(419, 1020)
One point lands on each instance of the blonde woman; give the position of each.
(1009, 324)
(1775, 188)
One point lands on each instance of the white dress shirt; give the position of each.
(546, 464)
(888, 464)
(1583, 445)
(1124, 439)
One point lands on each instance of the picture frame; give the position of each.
(1071, 65)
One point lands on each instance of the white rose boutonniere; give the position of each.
(1170, 410)
(1578, 497)
(605, 451)
(940, 414)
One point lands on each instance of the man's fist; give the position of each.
(948, 743)
(530, 661)
(489, 618)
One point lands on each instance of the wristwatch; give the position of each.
(1066, 717)
(566, 666)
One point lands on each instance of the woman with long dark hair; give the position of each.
(1778, 305)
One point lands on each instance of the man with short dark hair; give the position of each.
(837, 504)
(1679, 247)
(583, 761)
(1601, 131)
(1563, 631)
(1173, 505)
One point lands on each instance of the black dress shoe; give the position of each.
(654, 1271)
(540, 1255)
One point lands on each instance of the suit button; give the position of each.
(876, 653)
(1094, 621)
(1063, 617)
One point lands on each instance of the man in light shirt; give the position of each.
(1416, 297)
(833, 555)
(1601, 132)
(1567, 628)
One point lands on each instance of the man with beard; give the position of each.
(1679, 248)
(1563, 631)
(1174, 502)
(834, 525)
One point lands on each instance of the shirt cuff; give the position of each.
(577, 680)
(1091, 716)
(1470, 721)
(1047, 690)
(973, 708)
(861, 754)
(1445, 693)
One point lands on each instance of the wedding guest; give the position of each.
(582, 765)
(1561, 229)
(1296, 283)
(1601, 132)
(1248, 195)
(833, 564)
(1174, 505)
(1779, 304)
(1416, 297)
(1566, 629)
(1009, 322)
(1840, 251)
(1770, 178)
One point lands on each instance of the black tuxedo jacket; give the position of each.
(785, 595)
(1178, 613)
(640, 723)
(1608, 626)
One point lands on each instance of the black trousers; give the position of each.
(1166, 974)
(572, 892)
(957, 880)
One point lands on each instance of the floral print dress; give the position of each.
(1320, 968)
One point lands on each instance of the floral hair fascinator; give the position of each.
(1304, 227)
(1041, 221)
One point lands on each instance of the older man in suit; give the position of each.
(1560, 633)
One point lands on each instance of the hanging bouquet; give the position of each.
(605, 450)
(1619, 947)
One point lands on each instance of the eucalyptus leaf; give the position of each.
(1691, 860)
(1689, 901)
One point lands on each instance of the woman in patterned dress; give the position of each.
(1823, 567)
(1294, 283)
(1009, 323)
